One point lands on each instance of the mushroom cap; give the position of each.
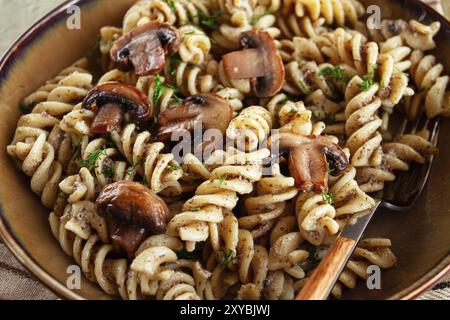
(206, 109)
(121, 94)
(259, 61)
(132, 203)
(309, 159)
(144, 48)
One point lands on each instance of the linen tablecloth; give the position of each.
(17, 283)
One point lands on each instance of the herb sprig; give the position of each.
(160, 88)
(335, 73)
(226, 258)
(369, 79)
(209, 21)
(326, 197)
(91, 160)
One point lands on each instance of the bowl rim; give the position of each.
(14, 245)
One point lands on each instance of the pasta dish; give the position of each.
(214, 149)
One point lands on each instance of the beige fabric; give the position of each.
(16, 283)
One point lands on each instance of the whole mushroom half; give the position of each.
(259, 61)
(310, 158)
(110, 100)
(133, 213)
(144, 48)
(206, 109)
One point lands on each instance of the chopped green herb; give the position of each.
(108, 171)
(369, 79)
(145, 181)
(222, 180)
(91, 160)
(382, 84)
(330, 170)
(226, 258)
(327, 198)
(174, 168)
(335, 73)
(160, 88)
(172, 65)
(209, 21)
(195, 210)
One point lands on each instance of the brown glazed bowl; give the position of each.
(421, 238)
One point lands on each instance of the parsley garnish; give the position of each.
(174, 168)
(160, 88)
(335, 73)
(326, 197)
(209, 21)
(144, 181)
(108, 171)
(91, 160)
(172, 65)
(222, 180)
(330, 170)
(368, 79)
(226, 258)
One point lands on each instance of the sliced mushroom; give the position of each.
(134, 212)
(206, 109)
(259, 61)
(110, 100)
(144, 48)
(310, 158)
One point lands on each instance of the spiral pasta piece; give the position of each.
(179, 12)
(431, 86)
(269, 204)
(350, 201)
(251, 128)
(160, 170)
(195, 45)
(417, 35)
(203, 213)
(370, 251)
(36, 158)
(315, 218)
(338, 12)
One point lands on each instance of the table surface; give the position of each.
(18, 283)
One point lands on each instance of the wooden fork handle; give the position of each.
(319, 285)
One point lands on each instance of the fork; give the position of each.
(325, 276)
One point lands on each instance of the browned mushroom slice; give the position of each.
(310, 157)
(134, 212)
(108, 119)
(110, 100)
(144, 48)
(206, 109)
(259, 61)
